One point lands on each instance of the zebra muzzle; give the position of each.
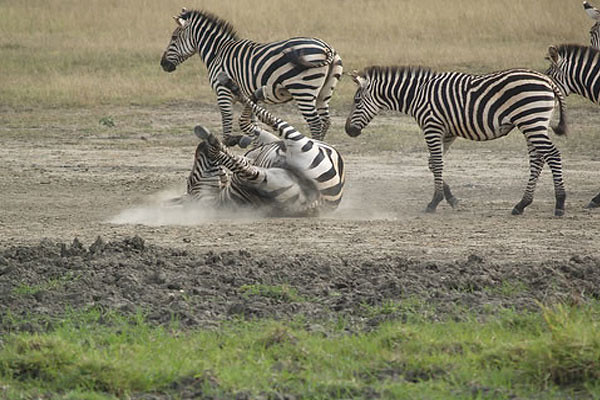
(167, 65)
(352, 130)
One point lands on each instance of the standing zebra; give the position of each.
(302, 69)
(452, 104)
(287, 175)
(576, 69)
(594, 14)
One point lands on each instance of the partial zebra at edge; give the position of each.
(576, 69)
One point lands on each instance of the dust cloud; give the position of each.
(160, 210)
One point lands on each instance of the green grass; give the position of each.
(555, 352)
(53, 283)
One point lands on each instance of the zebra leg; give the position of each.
(334, 74)
(220, 154)
(308, 108)
(253, 133)
(548, 152)
(453, 201)
(536, 163)
(283, 129)
(436, 166)
(595, 203)
(323, 112)
(225, 103)
(554, 161)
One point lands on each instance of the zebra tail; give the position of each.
(296, 57)
(561, 129)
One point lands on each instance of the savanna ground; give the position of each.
(377, 300)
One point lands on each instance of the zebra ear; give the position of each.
(553, 55)
(592, 11)
(359, 80)
(180, 21)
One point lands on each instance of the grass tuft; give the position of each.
(554, 352)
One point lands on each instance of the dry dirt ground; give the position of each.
(63, 176)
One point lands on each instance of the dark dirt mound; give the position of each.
(204, 288)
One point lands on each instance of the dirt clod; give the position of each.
(205, 288)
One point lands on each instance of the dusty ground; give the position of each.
(62, 176)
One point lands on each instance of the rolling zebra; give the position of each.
(576, 69)
(286, 175)
(594, 14)
(477, 107)
(302, 69)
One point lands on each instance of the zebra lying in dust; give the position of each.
(284, 175)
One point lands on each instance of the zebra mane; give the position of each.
(378, 70)
(569, 49)
(224, 25)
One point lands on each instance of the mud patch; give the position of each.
(40, 283)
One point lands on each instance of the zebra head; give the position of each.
(182, 44)
(558, 69)
(594, 14)
(363, 107)
(207, 176)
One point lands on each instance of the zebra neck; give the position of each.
(405, 93)
(210, 39)
(583, 86)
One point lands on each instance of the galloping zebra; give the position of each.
(287, 175)
(576, 69)
(594, 14)
(477, 107)
(302, 69)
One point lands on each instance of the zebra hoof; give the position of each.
(592, 204)
(259, 95)
(453, 201)
(201, 132)
(232, 140)
(245, 141)
(517, 211)
(558, 212)
(430, 210)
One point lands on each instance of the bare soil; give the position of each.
(63, 177)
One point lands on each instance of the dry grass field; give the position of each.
(65, 52)
(95, 136)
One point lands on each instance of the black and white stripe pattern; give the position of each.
(576, 69)
(476, 107)
(302, 69)
(594, 14)
(288, 174)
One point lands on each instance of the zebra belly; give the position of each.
(482, 135)
(287, 191)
